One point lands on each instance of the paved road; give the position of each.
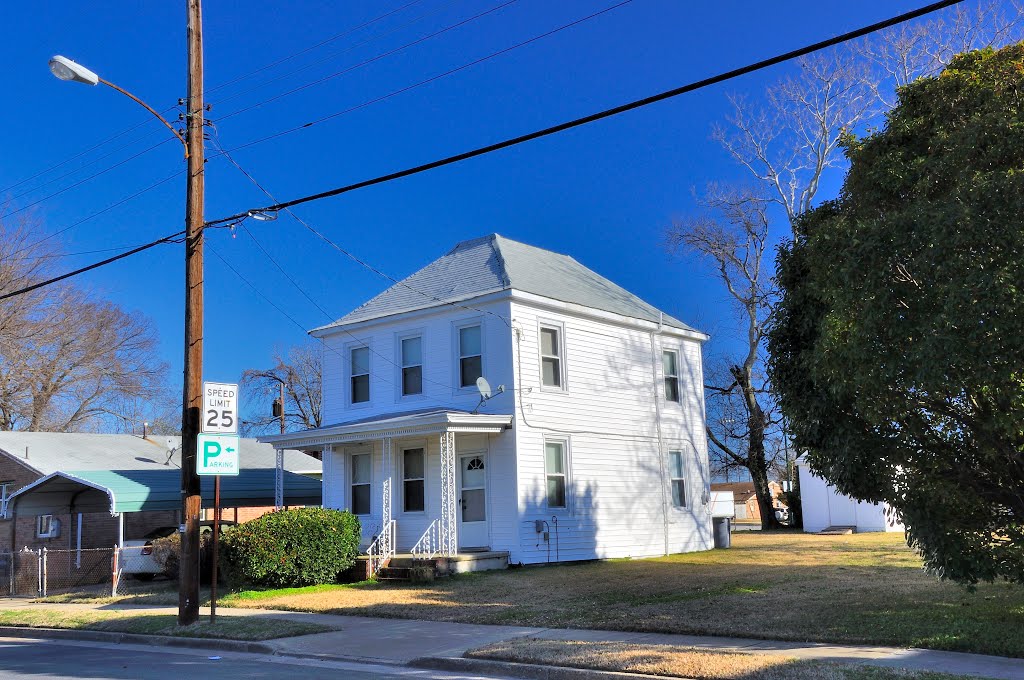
(60, 659)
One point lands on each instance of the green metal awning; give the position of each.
(116, 491)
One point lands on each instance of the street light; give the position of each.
(72, 71)
(192, 394)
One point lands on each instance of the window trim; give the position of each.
(5, 496)
(559, 328)
(400, 365)
(566, 474)
(422, 446)
(665, 377)
(457, 357)
(352, 482)
(672, 479)
(49, 533)
(347, 359)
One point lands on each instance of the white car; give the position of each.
(137, 558)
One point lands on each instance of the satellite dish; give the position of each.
(484, 387)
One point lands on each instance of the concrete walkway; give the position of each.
(401, 641)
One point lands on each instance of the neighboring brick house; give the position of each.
(745, 498)
(26, 457)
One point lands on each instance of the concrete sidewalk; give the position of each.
(402, 641)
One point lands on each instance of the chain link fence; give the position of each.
(98, 572)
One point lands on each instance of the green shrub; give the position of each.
(289, 548)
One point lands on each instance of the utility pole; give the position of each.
(188, 589)
(282, 408)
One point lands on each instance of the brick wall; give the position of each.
(19, 474)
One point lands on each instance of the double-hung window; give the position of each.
(470, 355)
(551, 356)
(412, 480)
(555, 469)
(677, 478)
(412, 366)
(361, 476)
(360, 374)
(670, 364)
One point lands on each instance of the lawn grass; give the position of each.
(227, 628)
(685, 662)
(863, 588)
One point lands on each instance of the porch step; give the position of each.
(838, 531)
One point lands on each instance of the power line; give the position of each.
(85, 179)
(608, 113)
(325, 41)
(170, 238)
(371, 60)
(227, 221)
(426, 81)
(110, 207)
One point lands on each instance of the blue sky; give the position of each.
(602, 193)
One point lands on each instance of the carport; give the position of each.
(123, 491)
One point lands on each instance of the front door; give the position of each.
(472, 501)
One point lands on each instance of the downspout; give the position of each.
(78, 550)
(661, 445)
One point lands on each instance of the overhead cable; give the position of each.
(608, 113)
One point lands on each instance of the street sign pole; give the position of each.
(216, 537)
(218, 441)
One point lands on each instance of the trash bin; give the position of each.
(722, 527)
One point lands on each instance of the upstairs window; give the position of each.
(361, 474)
(677, 478)
(412, 366)
(412, 480)
(670, 364)
(551, 356)
(554, 467)
(360, 374)
(470, 356)
(5, 493)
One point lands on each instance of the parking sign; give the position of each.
(217, 455)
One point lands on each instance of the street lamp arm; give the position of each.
(148, 108)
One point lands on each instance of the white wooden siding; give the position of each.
(618, 495)
(440, 388)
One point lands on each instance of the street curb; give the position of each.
(528, 671)
(137, 639)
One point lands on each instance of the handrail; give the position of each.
(382, 549)
(430, 542)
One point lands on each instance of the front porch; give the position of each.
(421, 483)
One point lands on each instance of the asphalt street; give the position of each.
(59, 659)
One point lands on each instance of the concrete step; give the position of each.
(838, 531)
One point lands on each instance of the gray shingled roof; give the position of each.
(494, 263)
(50, 452)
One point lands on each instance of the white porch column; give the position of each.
(449, 522)
(387, 466)
(279, 479)
(327, 478)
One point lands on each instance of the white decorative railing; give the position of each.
(430, 542)
(382, 549)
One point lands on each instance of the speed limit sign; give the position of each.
(220, 408)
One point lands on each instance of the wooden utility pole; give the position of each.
(282, 407)
(188, 588)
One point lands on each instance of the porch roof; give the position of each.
(393, 425)
(117, 491)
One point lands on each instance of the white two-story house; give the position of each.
(595, 448)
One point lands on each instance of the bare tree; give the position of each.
(732, 237)
(790, 139)
(67, 361)
(299, 372)
(787, 142)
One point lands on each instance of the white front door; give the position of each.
(472, 505)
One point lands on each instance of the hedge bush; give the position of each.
(289, 548)
(167, 553)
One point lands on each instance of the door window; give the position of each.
(473, 489)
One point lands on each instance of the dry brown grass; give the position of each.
(864, 588)
(684, 662)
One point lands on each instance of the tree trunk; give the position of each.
(757, 464)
